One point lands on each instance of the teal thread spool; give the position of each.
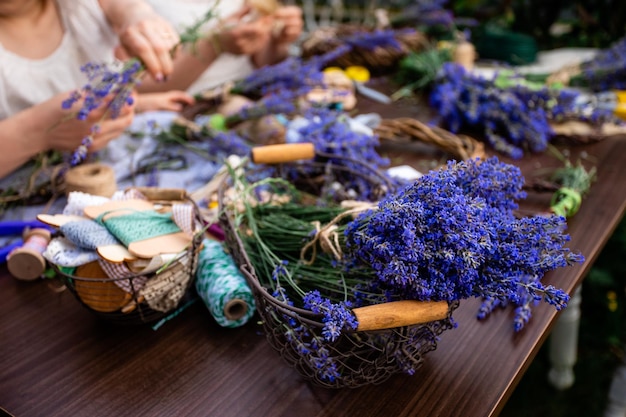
(222, 287)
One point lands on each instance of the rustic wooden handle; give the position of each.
(162, 194)
(399, 313)
(276, 154)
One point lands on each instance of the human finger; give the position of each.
(163, 40)
(182, 97)
(108, 130)
(152, 43)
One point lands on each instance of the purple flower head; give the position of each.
(453, 235)
(511, 116)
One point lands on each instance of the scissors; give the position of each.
(16, 228)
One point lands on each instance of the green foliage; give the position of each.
(553, 24)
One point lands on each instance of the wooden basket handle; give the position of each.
(399, 313)
(287, 152)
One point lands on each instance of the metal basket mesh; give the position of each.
(357, 358)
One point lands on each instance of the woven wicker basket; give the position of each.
(137, 298)
(362, 356)
(379, 61)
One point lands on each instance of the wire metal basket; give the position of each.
(369, 355)
(135, 298)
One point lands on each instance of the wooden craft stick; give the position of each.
(171, 243)
(276, 154)
(162, 194)
(115, 253)
(58, 220)
(399, 313)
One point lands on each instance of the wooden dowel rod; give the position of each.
(276, 154)
(399, 313)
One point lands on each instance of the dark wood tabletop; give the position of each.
(57, 359)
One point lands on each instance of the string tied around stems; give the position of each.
(328, 236)
(566, 202)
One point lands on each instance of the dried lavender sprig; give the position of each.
(607, 69)
(513, 117)
(293, 73)
(112, 84)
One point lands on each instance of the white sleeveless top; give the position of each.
(183, 13)
(88, 37)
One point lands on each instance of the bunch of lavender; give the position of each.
(426, 14)
(379, 38)
(607, 69)
(276, 102)
(273, 237)
(292, 74)
(511, 116)
(298, 74)
(453, 235)
(110, 85)
(350, 156)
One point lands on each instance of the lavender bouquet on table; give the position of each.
(449, 236)
(512, 114)
(606, 71)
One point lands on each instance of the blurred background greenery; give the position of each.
(554, 23)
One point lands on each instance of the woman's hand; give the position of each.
(144, 34)
(66, 132)
(173, 100)
(288, 24)
(240, 37)
(47, 126)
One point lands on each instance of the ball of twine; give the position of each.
(93, 178)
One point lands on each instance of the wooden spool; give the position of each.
(27, 262)
(100, 295)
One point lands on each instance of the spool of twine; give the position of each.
(27, 262)
(222, 287)
(93, 178)
(464, 54)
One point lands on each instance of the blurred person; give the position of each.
(239, 39)
(43, 45)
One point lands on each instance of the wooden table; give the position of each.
(56, 359)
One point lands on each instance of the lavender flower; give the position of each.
(607, 69)
(512, 117)
(337, 316)
(376, 39)
(309, 345)
(447, 238)
(292, 74)
(108, 85)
